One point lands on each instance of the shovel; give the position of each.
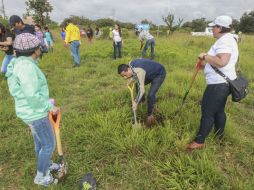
(55, 123)
(131, 88)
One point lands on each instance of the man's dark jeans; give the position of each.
(117, 47)
(213, 114)
(151, 97)
(149, 43)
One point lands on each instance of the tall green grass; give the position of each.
(97, 132)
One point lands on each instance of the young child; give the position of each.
(28, 86)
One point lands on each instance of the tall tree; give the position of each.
(170, 22)
(235, 25)
(39, 10)
(199, 25)
(247, 22)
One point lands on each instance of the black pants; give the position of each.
(213, 114)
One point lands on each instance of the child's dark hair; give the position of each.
(37, 25)
(27, 53)
(122, 67)
(46, 28)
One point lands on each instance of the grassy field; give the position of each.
(97, 132)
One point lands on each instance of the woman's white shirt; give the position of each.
(116, 36)
(225, 44)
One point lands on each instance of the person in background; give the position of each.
(6, 41)
(73, 38)
(49, 38)
(19, 27)
(110, 34)
(29, 89)
(150, 42)
(97, 33)
(89, 34)
(63, 33)
(40, 36)
(223, 55)
(117, 41)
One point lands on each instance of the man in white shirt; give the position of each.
(150, 42)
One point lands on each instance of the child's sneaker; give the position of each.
(45, 180)
(54, 167)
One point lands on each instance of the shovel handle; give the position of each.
(56, 127)
(131, 88)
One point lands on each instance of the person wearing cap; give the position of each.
(143, 72)
(6, 40)
(19, 27)
(150, 42)
(72, 37)
(222, 55)
(28, 86)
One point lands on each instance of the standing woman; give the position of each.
(222, 55)
(117, 41)
(6, 40)
(28, 87)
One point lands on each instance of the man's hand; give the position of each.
(55, 110)
(130, 82)
(66, 44)
(134, 105)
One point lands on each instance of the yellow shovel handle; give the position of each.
(131, 88)
(56, 126)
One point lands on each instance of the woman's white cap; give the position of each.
(224, 21)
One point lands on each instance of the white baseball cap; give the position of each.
(224, 21)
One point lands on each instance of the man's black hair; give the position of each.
(14, 19)
(122, 67)
(67, 21)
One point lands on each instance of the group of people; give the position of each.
(144, 36)
(23, 46)
(28, 85)
(7, 36)
(223, 55)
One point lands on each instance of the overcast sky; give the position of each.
(136, 10)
